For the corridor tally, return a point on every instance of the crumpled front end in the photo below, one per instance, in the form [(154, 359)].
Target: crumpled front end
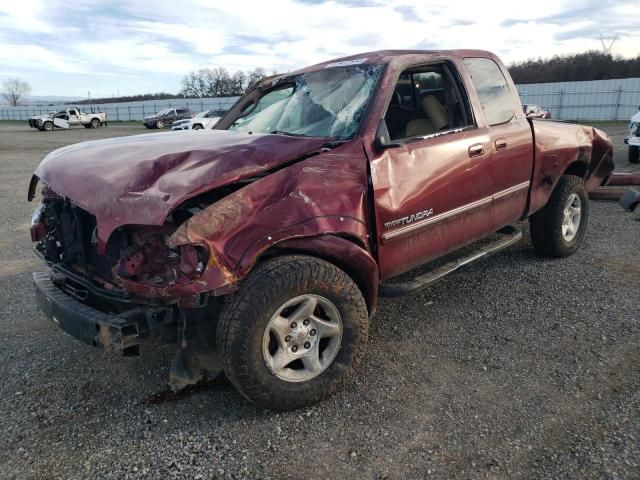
[(206, 243), (137, 266)]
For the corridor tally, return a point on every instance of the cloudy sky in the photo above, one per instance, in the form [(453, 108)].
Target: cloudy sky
[(69, 47)]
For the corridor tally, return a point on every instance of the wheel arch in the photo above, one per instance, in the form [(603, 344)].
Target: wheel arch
[(579, 168), (344, 251)]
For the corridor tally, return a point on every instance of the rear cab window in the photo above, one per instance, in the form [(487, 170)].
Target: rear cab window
[(492, 89)]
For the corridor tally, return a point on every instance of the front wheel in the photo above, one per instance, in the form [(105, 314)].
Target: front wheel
[(294, 333), (197, 126), (634, 154), (558, 228), (159, 124), (48, 126)]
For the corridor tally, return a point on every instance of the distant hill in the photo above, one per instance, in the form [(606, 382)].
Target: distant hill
[(130, 98), (592, 65), (47, 99)]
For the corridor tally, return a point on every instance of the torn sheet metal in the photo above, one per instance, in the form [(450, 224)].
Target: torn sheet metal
[(138, 180), (324, 194)]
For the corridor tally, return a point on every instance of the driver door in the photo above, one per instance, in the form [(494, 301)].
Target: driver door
[(432, 193)]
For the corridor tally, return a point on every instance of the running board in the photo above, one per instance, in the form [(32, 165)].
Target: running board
[(509, 236)]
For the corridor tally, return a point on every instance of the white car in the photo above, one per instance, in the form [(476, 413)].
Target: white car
[(633, 140), (202, 120)]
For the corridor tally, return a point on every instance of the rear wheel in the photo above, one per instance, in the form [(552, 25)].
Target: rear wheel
[(95, 123), (294, 333), (48, 126), (634, 154), (197, 126), (558, 228)]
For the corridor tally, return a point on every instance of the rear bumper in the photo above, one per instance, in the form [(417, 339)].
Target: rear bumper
[(116, 333)]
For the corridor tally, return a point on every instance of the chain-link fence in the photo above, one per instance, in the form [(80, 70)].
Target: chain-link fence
[(126, 111)]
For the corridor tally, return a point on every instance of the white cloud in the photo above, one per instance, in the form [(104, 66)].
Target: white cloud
[(133, 46)]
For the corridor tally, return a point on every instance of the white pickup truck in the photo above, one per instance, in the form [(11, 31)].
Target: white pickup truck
[(633, 140), (66, 118)]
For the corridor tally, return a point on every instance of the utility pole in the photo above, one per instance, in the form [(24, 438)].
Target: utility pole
[(607, 43)]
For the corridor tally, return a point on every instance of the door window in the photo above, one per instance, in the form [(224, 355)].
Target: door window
[(493, 91), (426, 100)]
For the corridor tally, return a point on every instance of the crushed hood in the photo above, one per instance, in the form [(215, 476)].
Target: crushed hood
[(138, 180)]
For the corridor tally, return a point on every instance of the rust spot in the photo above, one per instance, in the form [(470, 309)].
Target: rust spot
[(105, 337)]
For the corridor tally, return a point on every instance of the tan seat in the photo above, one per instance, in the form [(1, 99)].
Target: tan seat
[(436, 118)]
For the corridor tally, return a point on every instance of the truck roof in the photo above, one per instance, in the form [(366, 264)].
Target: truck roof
[(399, 56)]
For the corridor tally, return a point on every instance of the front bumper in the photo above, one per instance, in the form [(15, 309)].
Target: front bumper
[(115, 333)]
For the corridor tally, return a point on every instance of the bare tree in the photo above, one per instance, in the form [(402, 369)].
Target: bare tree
[(218, 82), (194, 84), (255, 76), (13, 89), (238, 83)]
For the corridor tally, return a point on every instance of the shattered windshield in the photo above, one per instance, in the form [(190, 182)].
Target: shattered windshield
[(323, 103)]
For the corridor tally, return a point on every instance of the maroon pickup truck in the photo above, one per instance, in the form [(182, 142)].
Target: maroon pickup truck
[(261, 247)]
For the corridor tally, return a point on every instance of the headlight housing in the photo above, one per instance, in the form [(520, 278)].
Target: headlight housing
[(150, 261)]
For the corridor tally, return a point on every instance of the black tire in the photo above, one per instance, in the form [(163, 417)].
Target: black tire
[(197, 126), (634, 154), (245, 316), (159, 124), (547, 223), (47, 126), (95, 123)]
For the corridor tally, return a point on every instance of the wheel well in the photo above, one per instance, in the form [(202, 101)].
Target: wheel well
[(579, 169), (368, 287)]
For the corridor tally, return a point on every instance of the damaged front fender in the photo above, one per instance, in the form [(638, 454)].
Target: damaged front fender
[(324, 194)]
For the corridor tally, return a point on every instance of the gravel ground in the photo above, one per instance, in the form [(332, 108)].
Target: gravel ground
[(519, 367)]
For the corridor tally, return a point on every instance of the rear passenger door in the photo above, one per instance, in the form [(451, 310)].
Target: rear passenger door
[(182, 114), (170, 117), (511, 144)]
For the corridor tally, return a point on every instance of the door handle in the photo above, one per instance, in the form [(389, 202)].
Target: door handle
[(476, 150), (501, 144)]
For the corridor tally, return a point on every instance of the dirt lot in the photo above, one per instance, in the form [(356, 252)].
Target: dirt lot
[(519, 367)]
